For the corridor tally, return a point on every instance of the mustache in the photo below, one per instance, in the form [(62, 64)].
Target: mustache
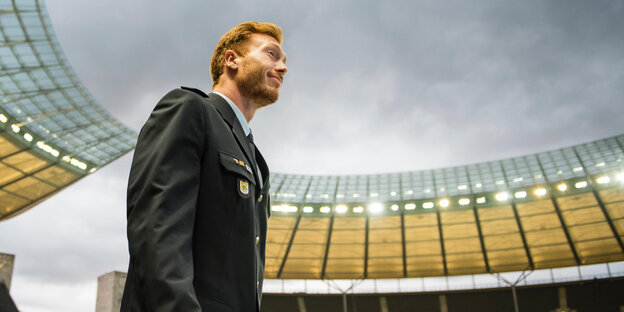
[(278, 75)]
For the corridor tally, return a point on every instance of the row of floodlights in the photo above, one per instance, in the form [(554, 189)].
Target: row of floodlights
[(376, 208), (461, 187), (45, 147)]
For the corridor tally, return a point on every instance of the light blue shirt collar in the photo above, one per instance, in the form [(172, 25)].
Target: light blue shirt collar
[(239, 114)]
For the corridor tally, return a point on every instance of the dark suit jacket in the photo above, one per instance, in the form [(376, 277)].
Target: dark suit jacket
[(197, 217)]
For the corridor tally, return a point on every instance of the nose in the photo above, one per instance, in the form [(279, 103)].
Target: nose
[(281, 68)]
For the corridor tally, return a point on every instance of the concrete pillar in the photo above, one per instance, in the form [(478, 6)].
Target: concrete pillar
[(301, 303), (6, 269), (383, 304), (109, 291), (563, 298), (443, 305)]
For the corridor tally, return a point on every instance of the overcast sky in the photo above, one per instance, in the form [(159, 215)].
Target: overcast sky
[(372, 86)]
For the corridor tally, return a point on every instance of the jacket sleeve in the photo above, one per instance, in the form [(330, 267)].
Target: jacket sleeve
[(162, 197)]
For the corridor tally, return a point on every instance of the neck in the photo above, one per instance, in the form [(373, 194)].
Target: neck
[(245, 105)]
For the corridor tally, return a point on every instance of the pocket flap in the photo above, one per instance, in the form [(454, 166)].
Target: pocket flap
[(237, 165)]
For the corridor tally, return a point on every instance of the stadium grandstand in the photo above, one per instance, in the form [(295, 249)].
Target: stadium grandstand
[(444, 239)]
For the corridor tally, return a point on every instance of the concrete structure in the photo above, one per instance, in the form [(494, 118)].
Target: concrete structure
[(591, 295), (6, 269), (109, 292)]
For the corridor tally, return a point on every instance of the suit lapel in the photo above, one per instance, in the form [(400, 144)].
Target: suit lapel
[(230, 117), (264, 169)]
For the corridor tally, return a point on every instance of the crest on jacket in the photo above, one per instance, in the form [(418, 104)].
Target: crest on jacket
[(243, 187)]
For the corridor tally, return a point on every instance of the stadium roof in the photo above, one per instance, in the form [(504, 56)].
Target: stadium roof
[(559, 208), (52, 131)]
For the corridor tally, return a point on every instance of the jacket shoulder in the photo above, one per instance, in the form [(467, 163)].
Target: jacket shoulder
[(200, 92)]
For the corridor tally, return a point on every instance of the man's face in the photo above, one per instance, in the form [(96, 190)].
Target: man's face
[(262, 70)]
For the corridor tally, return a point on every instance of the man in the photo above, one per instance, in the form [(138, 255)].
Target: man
[(198, 190)]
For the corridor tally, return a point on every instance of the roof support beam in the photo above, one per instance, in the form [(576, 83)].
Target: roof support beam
[(294, 231), (403, 244), (527, 251), (366, 242), (564, 226), (441, 233), (477, 222), (329, 234), (514, 208), (608, 218)]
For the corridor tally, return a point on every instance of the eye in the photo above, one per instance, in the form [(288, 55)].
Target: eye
[(271, 53)]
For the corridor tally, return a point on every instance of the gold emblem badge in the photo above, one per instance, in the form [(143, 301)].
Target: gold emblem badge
[(244, 187)]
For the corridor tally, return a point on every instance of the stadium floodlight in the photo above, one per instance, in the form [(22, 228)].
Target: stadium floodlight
[(308, 209), (374, 194), (3, 118), (577, 169), (464, 201), (375, 207), (394, 207), (444, 203), (600, 164), (410, 206), (284, 208), (15, 128), (540, 191), (325, 209), (53, 152), (620, 176), (462, 187), (358, 209), (521, 194), (409, 192), (28, 137), (481, 200), (393, 193), (580, 184), (500, 182), (93, 170), (502, 196), (428, 205), (478, 185), (562, 187), (603, 180), (341, 209), (518, 179)]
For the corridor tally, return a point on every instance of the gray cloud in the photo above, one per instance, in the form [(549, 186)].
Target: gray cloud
[(373, 86)]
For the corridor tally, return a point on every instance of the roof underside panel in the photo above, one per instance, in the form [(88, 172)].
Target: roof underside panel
[(52, 131)]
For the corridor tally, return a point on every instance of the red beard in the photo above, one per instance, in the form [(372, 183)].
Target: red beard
[(252, 83)]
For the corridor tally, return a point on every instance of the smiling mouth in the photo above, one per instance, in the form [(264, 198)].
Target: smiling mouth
[(277, 78)]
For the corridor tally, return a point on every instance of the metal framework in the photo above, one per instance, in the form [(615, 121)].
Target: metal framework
[(52, 131)]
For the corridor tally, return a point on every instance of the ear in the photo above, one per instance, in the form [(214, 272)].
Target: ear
[(231, 59)]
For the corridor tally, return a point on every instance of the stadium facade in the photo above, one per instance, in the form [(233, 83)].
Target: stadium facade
[(52, 131), (553, 209)]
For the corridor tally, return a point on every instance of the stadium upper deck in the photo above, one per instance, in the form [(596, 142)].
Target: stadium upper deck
[(558, 208), (52, 131)]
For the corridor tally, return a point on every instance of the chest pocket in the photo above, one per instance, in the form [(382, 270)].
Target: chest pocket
[(237, 166)]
